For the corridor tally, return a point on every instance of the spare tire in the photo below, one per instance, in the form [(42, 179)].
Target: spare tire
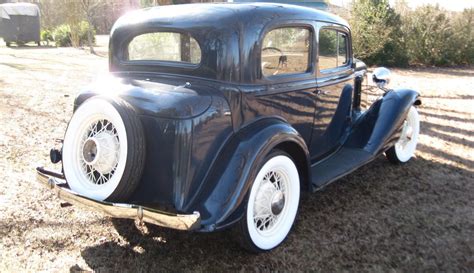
[(104, 149)]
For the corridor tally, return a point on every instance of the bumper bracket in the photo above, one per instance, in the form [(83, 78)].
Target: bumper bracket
[(57, 183)]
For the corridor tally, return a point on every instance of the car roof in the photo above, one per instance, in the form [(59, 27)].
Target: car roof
[(218, 15), (228, 35)]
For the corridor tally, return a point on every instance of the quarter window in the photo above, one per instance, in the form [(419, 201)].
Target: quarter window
[(332, 49), (286, 51), (342, 49), (164, 46)]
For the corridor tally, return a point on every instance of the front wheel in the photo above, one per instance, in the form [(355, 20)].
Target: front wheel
[(272, 204), (405, 147)]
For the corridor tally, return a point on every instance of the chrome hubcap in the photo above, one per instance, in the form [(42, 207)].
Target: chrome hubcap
[(270, 201), (100, 152), (406, 135), (278, 202), (89, 151), (409, 132)]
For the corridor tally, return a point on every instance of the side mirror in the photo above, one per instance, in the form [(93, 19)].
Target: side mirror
[(381, 77)]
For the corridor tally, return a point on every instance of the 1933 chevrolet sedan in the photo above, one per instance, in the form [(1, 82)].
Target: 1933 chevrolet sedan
[(219, 115)]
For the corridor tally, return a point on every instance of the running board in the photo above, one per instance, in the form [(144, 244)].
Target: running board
[(342, 162)]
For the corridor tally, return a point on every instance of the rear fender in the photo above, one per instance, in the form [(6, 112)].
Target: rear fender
[(376, 128), (221, 200)]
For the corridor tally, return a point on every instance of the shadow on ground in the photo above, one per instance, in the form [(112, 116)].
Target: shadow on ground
[(380, 217)]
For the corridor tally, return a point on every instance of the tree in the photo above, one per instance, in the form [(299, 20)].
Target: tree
[(73, 19), (438, 37), (152, 3), (89, 8), (376, 33), (463, 27)]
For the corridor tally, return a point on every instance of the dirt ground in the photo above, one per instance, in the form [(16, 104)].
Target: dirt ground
[(383, 218)]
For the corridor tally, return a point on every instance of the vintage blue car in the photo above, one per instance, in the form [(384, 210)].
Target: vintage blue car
[(219, 115)]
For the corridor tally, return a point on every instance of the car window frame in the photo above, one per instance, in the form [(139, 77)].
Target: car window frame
[(322, 73), (347, 47), (309, 74), (163, 63)]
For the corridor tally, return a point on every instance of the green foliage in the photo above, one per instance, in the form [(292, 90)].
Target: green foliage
[(83, 28), (327, 42), (63, 34), (148, 3), (463, 27), (428, 35), (46, 35), (436, 37), (376, 33)]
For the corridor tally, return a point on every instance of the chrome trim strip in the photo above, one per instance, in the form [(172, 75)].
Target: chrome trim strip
[(120, 210)]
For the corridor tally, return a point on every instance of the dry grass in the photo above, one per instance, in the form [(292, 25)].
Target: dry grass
[(417, 217)]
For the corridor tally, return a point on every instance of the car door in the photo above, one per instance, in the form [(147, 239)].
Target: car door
[(334, 94), (287, 77)]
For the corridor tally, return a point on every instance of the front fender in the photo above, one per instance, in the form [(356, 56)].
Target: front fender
[(376, 128), (221, 200)]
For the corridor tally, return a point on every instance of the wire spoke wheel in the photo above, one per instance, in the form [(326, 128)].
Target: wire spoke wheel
[(404, 149), (100, 155), (272, 204), (270, 200), (103, 151)]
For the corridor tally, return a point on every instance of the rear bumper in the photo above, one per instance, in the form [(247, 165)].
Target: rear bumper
[(57, 184)]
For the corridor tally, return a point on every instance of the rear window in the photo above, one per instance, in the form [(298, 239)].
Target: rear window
[(164, 46)]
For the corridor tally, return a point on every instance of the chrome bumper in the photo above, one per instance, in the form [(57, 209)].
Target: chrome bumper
[(57, 184)]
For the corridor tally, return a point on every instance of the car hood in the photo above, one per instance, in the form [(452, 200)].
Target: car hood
[(154, 97)]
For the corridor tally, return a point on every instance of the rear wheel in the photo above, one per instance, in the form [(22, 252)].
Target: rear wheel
[(104, 149), (405, 147), (272, 204), (8, 44)]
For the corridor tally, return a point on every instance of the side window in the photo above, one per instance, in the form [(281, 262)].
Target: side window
[(286, 51), (327, 49), (342, 52), (164, 46), (332, 49)]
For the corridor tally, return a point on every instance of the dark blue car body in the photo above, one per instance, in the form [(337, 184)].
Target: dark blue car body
[(209, 126)]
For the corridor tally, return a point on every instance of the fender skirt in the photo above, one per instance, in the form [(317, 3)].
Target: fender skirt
[(378, 128), (220, 199)]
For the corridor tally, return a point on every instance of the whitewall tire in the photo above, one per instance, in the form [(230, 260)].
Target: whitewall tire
[(104, 149), (404, 149), (272, 204)]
